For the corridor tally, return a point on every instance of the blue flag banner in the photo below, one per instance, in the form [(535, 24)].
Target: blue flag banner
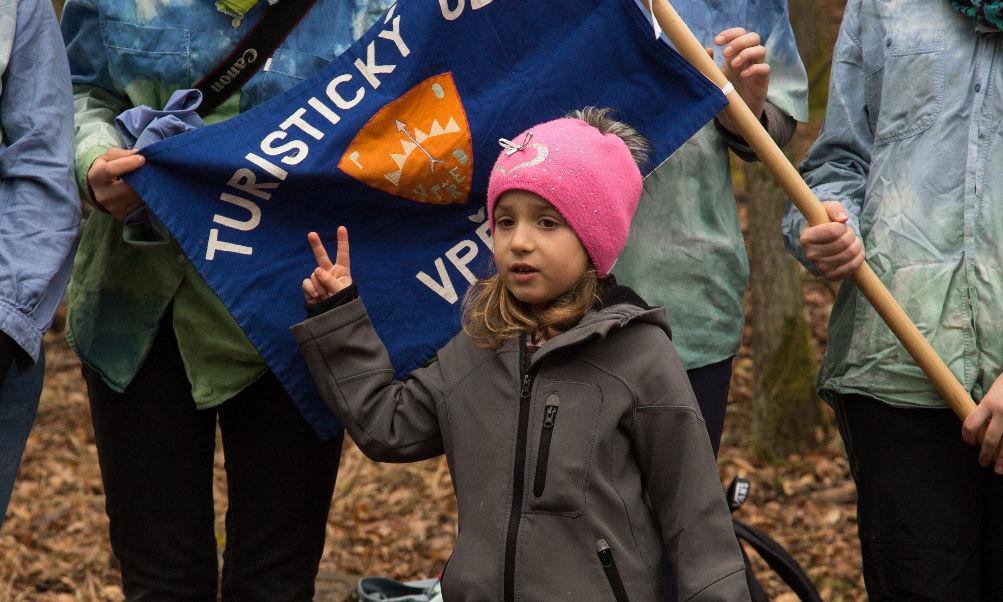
[(395, 140)]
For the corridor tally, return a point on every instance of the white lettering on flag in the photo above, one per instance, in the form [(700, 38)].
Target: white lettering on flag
[(292, 150), (245, 181), (460, 256), (461, 261), (444, 288), (297, 120), (452, 14), (245, 226), (336, 97), (370, 68), (218, 245)]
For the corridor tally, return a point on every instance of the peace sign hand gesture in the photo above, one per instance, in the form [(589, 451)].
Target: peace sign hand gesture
[(329, 278)]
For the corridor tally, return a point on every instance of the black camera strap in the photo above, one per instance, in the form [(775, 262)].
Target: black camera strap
[(251, 52)]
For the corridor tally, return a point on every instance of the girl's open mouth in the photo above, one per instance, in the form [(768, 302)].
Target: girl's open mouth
[(522, 272)]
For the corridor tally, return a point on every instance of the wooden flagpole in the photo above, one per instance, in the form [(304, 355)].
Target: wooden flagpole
[(867, 281)]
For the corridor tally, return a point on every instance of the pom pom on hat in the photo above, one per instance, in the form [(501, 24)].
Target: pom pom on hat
[(589, 177)]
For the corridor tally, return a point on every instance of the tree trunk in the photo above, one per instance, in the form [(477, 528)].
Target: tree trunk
[(786, 411), (815, 27)]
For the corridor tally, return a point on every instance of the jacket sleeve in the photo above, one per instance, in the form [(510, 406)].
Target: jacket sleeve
[(778, 125), (672, 448), (787, 99), (39, 207), (96, 101), (390, 421), (837, 165)]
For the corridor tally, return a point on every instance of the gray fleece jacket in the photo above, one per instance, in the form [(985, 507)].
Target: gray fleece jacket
[(574, 474)]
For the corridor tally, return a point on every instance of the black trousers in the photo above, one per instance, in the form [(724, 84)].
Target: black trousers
[(710, 385), (930, 518), (156, 455)]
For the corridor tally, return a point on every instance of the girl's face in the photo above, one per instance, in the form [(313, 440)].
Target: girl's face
[(537, 254)]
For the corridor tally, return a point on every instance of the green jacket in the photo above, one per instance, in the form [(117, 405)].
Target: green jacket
[(686, 250)]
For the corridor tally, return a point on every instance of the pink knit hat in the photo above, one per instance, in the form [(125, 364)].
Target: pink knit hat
[(589, 177)]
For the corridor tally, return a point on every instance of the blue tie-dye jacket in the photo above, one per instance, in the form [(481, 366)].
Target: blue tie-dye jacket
[(39, 207), (912, 148), (126, 53)]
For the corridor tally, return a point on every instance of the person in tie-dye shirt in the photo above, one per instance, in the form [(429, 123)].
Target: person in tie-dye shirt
[(163, 360), (908, 163), (686, 250)]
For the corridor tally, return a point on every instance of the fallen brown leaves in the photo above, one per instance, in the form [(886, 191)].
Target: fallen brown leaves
[(395, 520), (808, 505), (54, 542)]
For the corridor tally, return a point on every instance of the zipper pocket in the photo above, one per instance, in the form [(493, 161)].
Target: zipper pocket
[(543, 452), (605, 554)]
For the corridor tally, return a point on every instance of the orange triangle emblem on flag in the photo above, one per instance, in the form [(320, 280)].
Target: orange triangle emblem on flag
[(417, 147)]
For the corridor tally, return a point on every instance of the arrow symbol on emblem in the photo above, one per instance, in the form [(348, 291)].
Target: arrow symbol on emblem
[(402, 128)]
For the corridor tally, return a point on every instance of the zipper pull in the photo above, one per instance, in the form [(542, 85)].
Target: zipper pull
[(549, 417), (524, 391), (550, 410), (605, 553)]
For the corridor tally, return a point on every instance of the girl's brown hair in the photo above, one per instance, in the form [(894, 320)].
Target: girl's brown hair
[(492, 314)]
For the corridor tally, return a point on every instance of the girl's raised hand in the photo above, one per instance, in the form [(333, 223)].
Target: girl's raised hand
[(328, 279)]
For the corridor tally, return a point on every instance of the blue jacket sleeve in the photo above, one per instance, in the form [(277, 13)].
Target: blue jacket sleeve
[(39, 207), (836, 168)]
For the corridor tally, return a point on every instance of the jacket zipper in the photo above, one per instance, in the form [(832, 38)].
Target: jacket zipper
[(518, 474), (543, 452), (605, 554)]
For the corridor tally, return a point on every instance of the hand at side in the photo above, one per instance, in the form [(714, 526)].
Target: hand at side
[(987, 417)]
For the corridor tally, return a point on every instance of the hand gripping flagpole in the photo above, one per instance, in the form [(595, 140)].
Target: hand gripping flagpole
[(867, 281)]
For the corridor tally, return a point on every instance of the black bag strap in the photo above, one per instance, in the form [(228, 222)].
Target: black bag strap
[(778, 559), (755, 587), (250, 53)]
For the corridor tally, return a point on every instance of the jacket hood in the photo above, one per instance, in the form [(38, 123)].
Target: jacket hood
[(617, 307)]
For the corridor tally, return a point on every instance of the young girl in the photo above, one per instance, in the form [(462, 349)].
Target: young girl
[(577, 451)]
